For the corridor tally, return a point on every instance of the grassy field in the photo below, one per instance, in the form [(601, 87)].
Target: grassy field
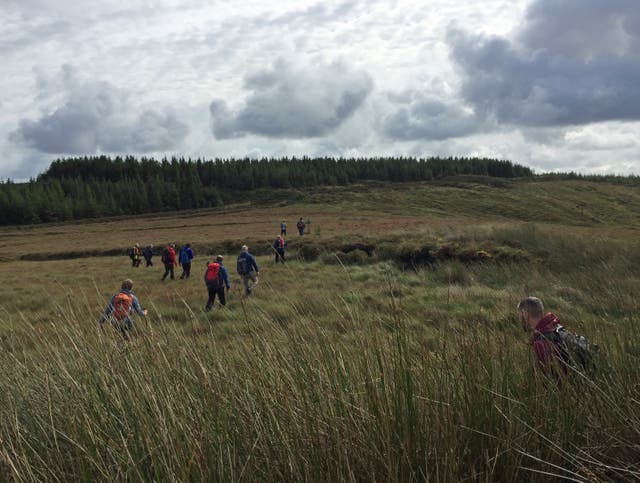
[(408, 364)]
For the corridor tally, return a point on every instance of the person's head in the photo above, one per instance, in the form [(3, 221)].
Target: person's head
[(219, 258), (188, 245), (279, 237), (530, 310), (172, 245), (151, 245), (244, 248), (137, 245), (300, 218), (127, 284)]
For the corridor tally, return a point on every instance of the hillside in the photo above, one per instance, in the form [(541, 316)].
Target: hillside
[(387, 348), (371, 210)]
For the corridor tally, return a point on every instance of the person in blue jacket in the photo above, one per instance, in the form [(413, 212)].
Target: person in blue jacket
[(147, 253), (248, 270), (184, 259), (216, 279), (120, 308)]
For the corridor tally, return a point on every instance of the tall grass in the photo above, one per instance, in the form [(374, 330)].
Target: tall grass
[(330, 373)]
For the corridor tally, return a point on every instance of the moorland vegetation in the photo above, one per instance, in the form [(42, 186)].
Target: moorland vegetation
[(386, 348)]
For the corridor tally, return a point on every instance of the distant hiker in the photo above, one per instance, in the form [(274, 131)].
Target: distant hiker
[(147, 253), (169, 260), (247, 269), (283, 228), (134, 254), (186, 255), (279, 246), (301, 226), (216, 279), (556, 349), (120, 307)]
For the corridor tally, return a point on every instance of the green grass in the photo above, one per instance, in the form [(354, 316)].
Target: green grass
[(407, 365)]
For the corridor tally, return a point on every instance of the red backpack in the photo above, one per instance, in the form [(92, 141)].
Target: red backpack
[(212, 276), (122, 305)]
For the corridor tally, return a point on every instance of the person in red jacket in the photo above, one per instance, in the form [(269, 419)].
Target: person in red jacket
[(169, 260), (549, 356)]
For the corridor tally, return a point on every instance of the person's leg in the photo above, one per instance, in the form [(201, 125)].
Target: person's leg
[(171, 270), (251, 277), (166, 271), (187, 270), (245, 282), (221, 296), (212, 297)]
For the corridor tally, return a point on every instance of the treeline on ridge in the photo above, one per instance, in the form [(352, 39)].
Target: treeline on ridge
[(87, 187)]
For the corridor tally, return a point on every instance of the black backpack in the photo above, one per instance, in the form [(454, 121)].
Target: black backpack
[(165, 255), (575, 350), (243, 264)]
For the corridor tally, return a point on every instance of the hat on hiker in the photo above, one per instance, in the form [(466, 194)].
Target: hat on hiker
[(219, 258)]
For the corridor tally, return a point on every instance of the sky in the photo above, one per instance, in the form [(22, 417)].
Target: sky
[(554, 85)]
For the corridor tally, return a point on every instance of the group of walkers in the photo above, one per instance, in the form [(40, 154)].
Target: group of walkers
[(216, 276), (169, 259), (135, 255), (555, 349), (300, 225)]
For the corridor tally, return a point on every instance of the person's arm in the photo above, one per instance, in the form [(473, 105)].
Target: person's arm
[(225, 277), (136, 306), (255, 264)]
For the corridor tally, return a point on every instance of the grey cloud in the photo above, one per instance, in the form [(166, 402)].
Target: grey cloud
[(583, 29), (294, 101), (97, 116), (554, 73), (429, 118)]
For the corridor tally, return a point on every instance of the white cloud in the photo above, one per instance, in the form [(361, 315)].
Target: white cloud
[(294, 77)]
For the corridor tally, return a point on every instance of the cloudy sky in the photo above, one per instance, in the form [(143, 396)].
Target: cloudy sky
[(551, 84)]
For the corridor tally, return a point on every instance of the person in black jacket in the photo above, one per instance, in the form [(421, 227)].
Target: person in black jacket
[(279, 246)]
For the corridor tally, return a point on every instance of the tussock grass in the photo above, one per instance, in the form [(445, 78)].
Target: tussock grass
[(384, 370)]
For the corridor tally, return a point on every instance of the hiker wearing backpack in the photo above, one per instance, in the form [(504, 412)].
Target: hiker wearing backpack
[(169, 260), (248, 270), (147, 253), (134, 255), (216, 279), (186, 255), (279, 246), (301, 226), (283, 228), (119, 309), (556, 349)]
